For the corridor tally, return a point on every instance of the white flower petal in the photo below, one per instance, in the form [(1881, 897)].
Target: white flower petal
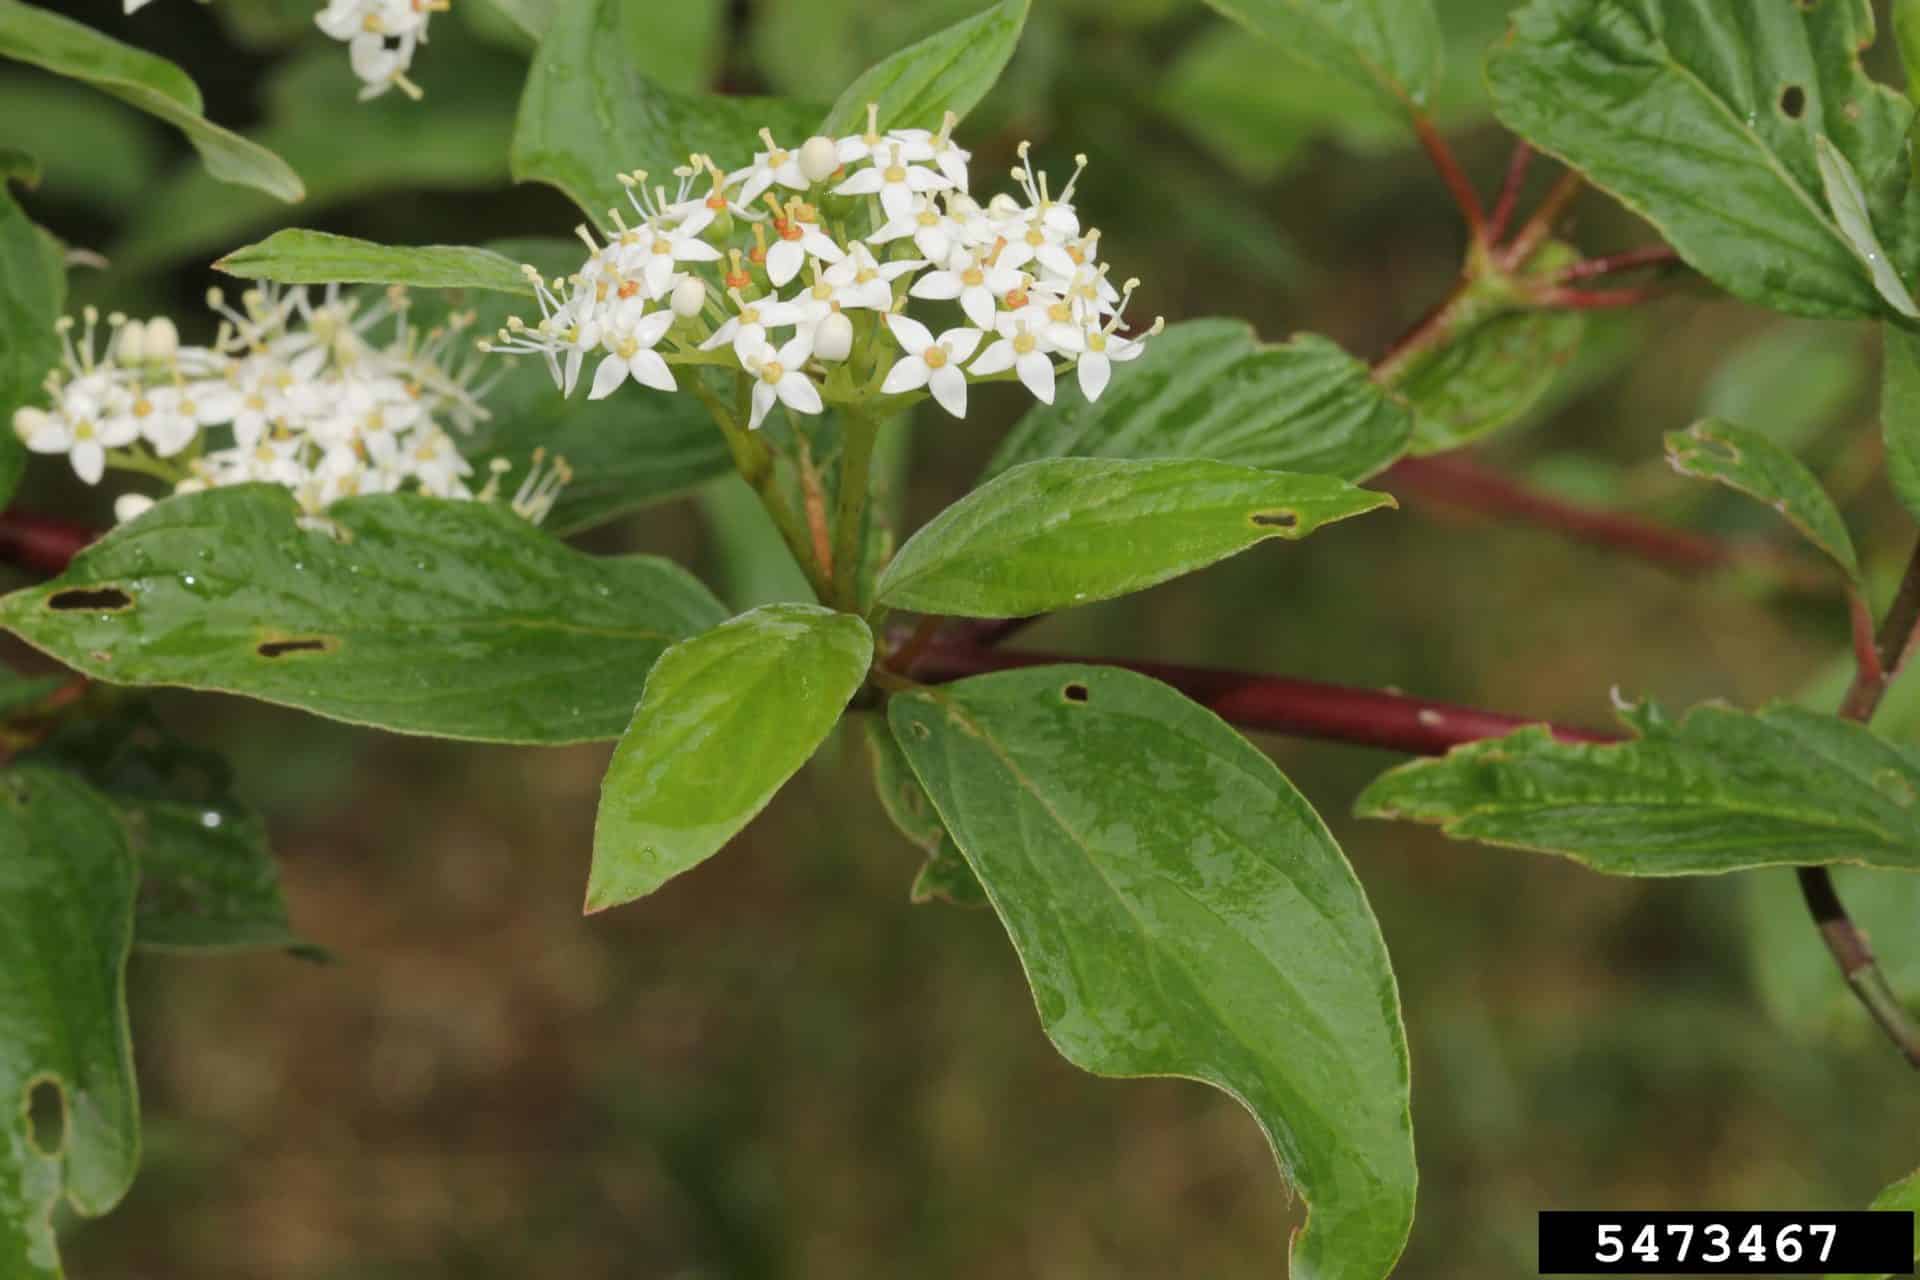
[(863, 183), (649, 370), (89, 461), (763, 398), (977, 303), (1094, 370), (997, 358), (784, 261), (797, 392), (909, 374), (608, 377), (937, 286), (1036, 371), (912, 336), (961, 343), (949, 388)]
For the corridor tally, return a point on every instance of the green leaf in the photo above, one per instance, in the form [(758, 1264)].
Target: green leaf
[(1211, 389), (33, 289), (296, 256), (1900, 413), (1722, 790), (156, 86), (66, 922), (590, 112), (1702, 115), (1756, 466), (1070, 531), (946, 877), (626, 451), (1789, 381), (208, 880), (453, 139), (1906, 34), (726, 719), (1180, 910), (94, 150), (1793, 971), (1496, 367), (902, 797), (1847, 201), (1902, 1195), (950, 70), (456, 619), (1392, 47)]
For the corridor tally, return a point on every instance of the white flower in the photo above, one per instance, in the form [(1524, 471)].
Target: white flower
[(932, 363), (937, 147), (779, 375), (934, 233), (894, 179), (863, 282), (131, 506), (819, 158), (833, 338), (1023, 348), (630, 340), (800, 237), (435, 463), (1104, 350), (747, 328), (975, 279), (775, 164), (84, 440), (655, 257)]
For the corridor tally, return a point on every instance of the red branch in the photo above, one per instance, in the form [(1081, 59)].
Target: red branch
[(1509, 193), (1656, 255), (1279, 704), (1452, 174), (1459, 482), (41, 543)]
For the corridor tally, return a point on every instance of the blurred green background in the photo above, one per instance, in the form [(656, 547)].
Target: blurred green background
[(778, 1068)]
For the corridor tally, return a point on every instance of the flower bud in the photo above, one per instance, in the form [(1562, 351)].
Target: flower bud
[(130, 505), (689, 296), (27, 420), (131, 347), (163, 340), (818, 158), (833, 338)]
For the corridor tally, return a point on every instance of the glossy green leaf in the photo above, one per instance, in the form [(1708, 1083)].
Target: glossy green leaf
[(1847, 201), (208, 880), (1181, 910), (1756, 466), (726, 719), (156, 86), (455, 619), (296, 256), (950, 70), (1070, 531), (1497, 366), (1900, 413), (590, 113), (33, 289), (455, 138), (1211, 389), (66, 922), (1392, 47), (1721, 790), (626, 451), (1701, 115)]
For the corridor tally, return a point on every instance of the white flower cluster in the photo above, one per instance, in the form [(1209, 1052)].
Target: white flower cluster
[(380, 36), (292, 391), (816, 251)]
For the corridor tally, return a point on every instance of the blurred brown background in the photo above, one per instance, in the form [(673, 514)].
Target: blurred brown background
[(776, 1067)]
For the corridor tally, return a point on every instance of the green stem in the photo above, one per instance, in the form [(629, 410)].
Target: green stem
[(858, 433), (755, 464), (145, 464)]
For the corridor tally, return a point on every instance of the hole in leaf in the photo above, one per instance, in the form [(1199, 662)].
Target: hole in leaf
[(279, 648), (88, 599), (1793, 102), (1714, 447), (920, 730), (46, 1117), (1076, 692), (1276, 519)]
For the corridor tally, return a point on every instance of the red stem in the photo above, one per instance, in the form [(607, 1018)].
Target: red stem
[(1279, 704), (1509, 193), (1459, 482), (1561, 299), (1654, 255), (41, 543), (1452, 174)]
